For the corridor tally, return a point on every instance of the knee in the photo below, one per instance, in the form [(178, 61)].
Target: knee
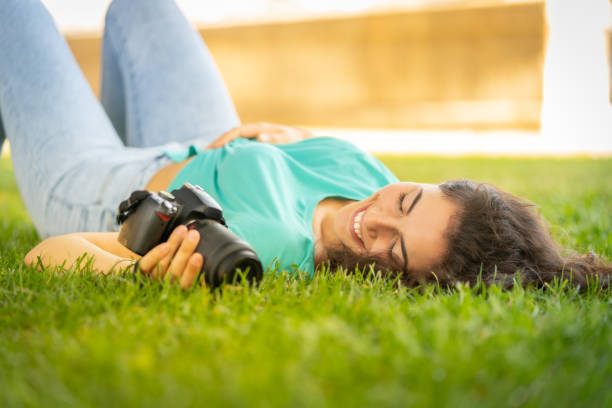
[(141, 22), (23, 15), (137, 9), (115, 10)]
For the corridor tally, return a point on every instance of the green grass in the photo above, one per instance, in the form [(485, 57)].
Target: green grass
[(338, 340)]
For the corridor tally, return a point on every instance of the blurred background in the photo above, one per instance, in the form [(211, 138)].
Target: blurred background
[(419, 76)]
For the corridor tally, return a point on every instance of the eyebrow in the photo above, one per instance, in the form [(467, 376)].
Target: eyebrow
[(416, 200), (405, 255)]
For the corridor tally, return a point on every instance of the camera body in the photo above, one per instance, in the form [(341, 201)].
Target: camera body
[(149, 218)]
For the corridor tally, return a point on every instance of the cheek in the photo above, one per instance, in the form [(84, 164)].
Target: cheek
[(426, 243), (343, 218)]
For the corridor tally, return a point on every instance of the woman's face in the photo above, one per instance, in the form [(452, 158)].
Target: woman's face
[(402, 223)]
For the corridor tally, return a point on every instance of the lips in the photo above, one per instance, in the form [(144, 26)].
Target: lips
[(356, 219)]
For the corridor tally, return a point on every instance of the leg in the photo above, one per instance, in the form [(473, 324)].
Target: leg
[(159, 81), (64, 150), (2, 134)]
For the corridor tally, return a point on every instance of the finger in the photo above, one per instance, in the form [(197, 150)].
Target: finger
[(224, 138), (179, 262), (256, 129), (148, 262), (174, 241), (249, 131), (274, 136), (264, 137), (192, 270)]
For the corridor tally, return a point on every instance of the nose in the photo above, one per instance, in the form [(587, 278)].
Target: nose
[(380, 224)]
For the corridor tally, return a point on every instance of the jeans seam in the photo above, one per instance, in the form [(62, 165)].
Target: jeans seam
[(118, 30)]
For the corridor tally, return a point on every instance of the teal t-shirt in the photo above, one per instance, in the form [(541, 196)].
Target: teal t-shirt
[(269, 192)]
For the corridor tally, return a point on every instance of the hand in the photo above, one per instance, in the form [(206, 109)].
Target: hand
[(175, 259), (263, 132)]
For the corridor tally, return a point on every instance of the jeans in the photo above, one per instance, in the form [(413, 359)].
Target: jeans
[(74, 157)]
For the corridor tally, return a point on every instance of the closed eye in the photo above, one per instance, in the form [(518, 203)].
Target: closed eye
[(400, 205), (402, 197), (400, 201)]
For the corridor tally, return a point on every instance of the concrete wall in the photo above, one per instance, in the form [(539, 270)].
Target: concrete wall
[(473, 67)]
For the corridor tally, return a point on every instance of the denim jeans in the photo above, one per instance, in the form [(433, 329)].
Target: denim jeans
[(74, 157)]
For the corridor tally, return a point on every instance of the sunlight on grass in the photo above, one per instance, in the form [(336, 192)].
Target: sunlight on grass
[(341, 339)]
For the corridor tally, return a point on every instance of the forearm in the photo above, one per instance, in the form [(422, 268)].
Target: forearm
[(68, 249)]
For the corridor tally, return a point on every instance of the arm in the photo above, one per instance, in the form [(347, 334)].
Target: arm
[(108, 254), (175, 258), (264, 132)]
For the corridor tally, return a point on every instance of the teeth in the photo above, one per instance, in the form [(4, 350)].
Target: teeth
[(357, 224)]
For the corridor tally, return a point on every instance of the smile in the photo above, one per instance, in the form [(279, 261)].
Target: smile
[(356, 227)]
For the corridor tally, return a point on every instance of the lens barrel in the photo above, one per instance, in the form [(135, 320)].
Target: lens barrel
[(224, 253)]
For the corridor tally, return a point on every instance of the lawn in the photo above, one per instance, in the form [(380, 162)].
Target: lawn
[(337, 340)]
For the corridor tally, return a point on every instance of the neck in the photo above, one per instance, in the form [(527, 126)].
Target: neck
[(323, 227)]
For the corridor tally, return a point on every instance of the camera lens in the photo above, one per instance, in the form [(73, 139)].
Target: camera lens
[(224, 253), (240, 260)]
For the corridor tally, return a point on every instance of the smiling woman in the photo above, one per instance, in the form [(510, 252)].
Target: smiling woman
[(390, 227), (301, 202), (458, 231)]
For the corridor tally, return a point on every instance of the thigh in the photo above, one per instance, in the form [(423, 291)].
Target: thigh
[(87, 197), (159, 81)]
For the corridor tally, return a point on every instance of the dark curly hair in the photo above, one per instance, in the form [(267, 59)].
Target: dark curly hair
[(493, 236), (496, 234)]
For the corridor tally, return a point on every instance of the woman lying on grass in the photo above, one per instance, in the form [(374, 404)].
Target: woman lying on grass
[(302, 201)]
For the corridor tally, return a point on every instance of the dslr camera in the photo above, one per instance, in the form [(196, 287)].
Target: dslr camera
[(149, 218)]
